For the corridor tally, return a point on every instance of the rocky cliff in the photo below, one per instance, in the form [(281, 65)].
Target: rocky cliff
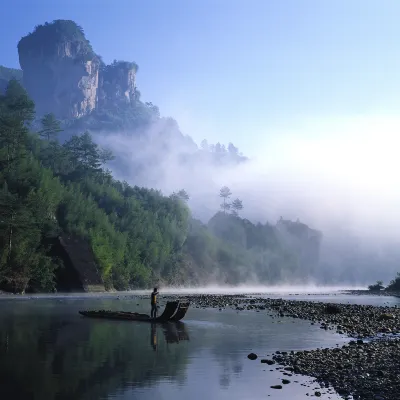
[(117, 84), (63, 74)]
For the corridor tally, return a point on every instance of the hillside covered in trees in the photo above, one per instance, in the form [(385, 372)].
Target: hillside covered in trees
[(57, 184), (138, 236)]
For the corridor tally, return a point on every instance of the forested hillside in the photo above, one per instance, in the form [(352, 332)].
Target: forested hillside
[(138, 236)]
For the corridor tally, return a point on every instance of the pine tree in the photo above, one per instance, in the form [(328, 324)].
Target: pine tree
[(181, 195), (237, 206), (50, 127), (225, 193), (16, 113)]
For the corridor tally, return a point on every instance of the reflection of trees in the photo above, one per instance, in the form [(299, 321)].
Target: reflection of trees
[(51, 357), (221, 342)]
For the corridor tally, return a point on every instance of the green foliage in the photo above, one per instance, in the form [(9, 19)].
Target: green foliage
[(48, 37), (225, 193), (237, 206), (247, 251), (394, 285), (181, 195), (126, 65), (118, 117), (50, 127), (137, 235), (377, 287), (10, 73)]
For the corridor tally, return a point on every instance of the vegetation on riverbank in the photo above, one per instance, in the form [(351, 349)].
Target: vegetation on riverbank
[(137, 235), (393, 287)]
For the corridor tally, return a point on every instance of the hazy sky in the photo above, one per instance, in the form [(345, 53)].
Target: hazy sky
[(240, 70)]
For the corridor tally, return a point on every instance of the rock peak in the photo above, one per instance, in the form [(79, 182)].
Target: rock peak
[(63, 74)]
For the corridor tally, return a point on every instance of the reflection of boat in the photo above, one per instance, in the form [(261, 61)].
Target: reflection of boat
[(175, 332), (174, 311)]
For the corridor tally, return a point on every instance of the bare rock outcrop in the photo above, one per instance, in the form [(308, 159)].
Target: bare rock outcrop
[(117, 84), (63, 74), (60, 69)]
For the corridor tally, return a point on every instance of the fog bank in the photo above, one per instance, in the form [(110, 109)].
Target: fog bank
[(338, 175)]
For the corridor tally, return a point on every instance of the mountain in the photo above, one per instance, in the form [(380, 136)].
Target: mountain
[(64, 76), (67, 222)]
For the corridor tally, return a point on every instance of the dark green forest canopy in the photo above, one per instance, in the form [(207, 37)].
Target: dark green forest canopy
[(138, 236)]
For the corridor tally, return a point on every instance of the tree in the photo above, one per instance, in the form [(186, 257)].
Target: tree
[(106, 155), (50, 127), (394, 285), (183, 195), (237, 206), (85, 154), (16, 114), (225, 193), (377, 287), (232, 149), (204, 145), (8, 211)]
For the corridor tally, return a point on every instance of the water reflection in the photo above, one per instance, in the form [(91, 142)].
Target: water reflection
[(54, 357), (174, 332), (48, 351), (153, 336)]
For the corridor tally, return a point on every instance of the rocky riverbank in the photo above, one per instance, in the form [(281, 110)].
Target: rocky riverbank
[(372, 293), (354, 320), (367, 371)]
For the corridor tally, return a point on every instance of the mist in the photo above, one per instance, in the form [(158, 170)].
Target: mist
[(337, 175), (198, 290)]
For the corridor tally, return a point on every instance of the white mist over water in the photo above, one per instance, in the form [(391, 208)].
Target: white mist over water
[(256, 289), (195, 290)]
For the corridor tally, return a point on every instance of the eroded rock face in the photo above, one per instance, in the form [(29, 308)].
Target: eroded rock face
[(62, 82), (117, 84), (64, 76)]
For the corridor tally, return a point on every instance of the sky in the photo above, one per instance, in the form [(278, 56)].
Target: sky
[(308, 89), (251, 72)]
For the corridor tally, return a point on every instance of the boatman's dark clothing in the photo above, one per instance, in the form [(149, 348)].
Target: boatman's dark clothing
[(154, 304)]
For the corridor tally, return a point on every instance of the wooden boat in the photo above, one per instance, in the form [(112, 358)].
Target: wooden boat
[(174, 311), (180, 312)]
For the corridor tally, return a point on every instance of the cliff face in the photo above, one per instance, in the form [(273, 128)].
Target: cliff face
[(64, 76), (61, 84), (117, 84)]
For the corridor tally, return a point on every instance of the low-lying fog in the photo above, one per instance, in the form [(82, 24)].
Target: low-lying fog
[(338, 175)]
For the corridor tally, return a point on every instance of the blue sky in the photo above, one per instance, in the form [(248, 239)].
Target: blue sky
[(239, 70)]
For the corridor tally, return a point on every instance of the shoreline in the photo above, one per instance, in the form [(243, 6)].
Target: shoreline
[(366, 368), (216, 291)]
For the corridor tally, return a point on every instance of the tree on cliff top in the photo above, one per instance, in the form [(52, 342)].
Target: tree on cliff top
[(225, 193), (47, 37), (237, 206)]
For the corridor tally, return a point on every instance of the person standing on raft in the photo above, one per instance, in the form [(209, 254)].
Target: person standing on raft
[(154, 294)]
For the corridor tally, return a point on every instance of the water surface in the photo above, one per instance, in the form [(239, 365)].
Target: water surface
[(48, 351)]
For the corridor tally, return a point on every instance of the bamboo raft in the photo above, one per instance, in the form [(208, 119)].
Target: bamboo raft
[(174, 311)]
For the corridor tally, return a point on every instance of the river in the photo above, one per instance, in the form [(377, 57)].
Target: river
[(48, 351)]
